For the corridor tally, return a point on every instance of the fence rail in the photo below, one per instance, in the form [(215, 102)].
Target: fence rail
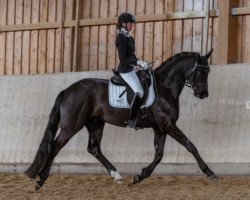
[(241, 11), (109, 21)]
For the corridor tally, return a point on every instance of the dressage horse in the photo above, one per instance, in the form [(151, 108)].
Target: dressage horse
[(86, 103)]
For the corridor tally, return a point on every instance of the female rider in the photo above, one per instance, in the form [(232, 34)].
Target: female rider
[(128, 63)]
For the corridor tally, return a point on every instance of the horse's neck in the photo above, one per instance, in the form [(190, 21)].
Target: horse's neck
[(177, 70), (169, 88), (172, 80)]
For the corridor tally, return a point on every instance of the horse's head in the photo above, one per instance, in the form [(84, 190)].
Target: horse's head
[(198, 76)]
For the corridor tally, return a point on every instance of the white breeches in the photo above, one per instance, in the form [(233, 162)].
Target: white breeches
[(133, 81)]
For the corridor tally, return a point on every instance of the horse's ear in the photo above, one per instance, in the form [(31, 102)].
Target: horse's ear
[(209, 53)]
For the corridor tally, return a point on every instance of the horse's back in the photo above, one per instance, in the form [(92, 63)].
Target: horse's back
[(85, 88), (89, 82)]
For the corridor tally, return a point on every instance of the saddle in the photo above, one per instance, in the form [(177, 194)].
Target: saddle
[(145, 80)]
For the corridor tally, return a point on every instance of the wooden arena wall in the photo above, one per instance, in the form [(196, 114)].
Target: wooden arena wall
[(51, 36)]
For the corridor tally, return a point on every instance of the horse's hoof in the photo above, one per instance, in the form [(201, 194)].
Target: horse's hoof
[(213, 178), (120, 181), (135, 179), (117, 176), (38, 186)]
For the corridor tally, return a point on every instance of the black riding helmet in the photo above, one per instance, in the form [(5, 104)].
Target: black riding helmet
[(125, 18)]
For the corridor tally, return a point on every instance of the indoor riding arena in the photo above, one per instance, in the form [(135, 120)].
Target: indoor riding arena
[(47, 45)]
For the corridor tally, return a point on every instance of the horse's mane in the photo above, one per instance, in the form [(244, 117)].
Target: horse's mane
[(172, 59)]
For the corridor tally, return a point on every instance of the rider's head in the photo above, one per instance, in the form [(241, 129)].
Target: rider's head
[(126, 20)]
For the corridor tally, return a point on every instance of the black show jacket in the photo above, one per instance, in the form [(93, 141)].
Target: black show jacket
[(125, 45)]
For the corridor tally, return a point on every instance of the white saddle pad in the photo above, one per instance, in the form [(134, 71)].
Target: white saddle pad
[(115, 91)]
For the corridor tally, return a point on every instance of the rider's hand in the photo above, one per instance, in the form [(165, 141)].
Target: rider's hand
[(137, 68), (143, 64)]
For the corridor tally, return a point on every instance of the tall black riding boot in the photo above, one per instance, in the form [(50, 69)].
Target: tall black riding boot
[(135, 105)]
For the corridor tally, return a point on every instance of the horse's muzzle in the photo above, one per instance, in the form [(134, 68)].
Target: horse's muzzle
[(201, 95)]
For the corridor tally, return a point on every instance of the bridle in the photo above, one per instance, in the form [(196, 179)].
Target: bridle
[(197, 67), (188, 82)]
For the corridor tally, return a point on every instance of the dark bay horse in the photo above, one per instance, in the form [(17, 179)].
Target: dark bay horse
[(85, 103)]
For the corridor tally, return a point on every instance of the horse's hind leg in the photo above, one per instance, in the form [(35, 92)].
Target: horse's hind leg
[(62, 139), (95, 128), (180, 137), (159, 142)]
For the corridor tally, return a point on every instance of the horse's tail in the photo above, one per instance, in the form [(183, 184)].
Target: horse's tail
[(46, 145)]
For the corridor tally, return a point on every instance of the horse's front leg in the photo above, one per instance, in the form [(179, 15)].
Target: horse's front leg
[(159, 142), (180, 137)]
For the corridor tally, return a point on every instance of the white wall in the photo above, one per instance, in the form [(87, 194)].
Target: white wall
[(218, 126)]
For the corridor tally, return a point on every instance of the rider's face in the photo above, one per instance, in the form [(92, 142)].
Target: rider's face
[(130, 26)]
